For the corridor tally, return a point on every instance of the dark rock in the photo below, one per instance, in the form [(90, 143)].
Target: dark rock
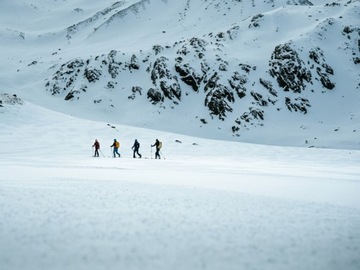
[(157, 49), (134, 63), (255, 20), (113, 66), (183, 50), (33, 63), (74, 64), (92, 74), (198, 44), (348, 30), (323, 70), (324, 79), (189, 76), (268, 85), (288, 69), (155, 96), (7, 99), (245, 67), (135, 90), (235, 129), (223, 66), (160, 70), (259, 98), (171, 91), (219, 36), (300, 104), (212, 82), (233, 32), (333, 4), (217, 101), (110, 85), (328, 69), (70, 95), (237, 82), (248, 117)]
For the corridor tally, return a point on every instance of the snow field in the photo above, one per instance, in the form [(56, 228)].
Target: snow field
[(77, 224), (212, 205)]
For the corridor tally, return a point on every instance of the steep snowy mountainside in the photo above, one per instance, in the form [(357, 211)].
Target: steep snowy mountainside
[(79, 20), (279, 72)]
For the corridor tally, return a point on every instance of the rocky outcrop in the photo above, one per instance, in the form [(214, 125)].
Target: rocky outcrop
[(114, 65), (8, 99), (238, 83), (136, 90), (288, 69), (300, 104), (202, 69), (134, 63), (159, 71), (352, 34), (92, 74), (155, 96), (255, 20), (269, 86), (65, 77), (217, 100), (293, 74), (164, 81), (188, 75), (253, 115), (223, 90), (323, 70)]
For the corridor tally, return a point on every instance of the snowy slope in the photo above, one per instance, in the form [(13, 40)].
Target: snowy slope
[(207, 205), (104, 57)]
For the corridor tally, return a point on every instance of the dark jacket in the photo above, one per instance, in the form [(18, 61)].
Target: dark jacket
[(157, 144), (96, 145), (136, 145)]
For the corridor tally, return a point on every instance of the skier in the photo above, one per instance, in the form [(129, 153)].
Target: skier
[(97, 147), (136, 147), (116, 146), (158, 145)]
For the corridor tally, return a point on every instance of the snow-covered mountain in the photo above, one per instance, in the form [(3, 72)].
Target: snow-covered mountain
[(277, 72)]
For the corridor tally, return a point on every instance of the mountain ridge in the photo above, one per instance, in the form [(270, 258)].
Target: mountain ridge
[(233, 82)]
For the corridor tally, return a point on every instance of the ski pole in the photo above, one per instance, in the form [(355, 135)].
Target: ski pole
[(162, 154), (151, 152), (102, 153)]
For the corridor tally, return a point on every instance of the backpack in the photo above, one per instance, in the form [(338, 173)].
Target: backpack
[(160, 145), (117, 144)]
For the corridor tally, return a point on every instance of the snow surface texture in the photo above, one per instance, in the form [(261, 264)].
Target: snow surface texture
[(207, 204)]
